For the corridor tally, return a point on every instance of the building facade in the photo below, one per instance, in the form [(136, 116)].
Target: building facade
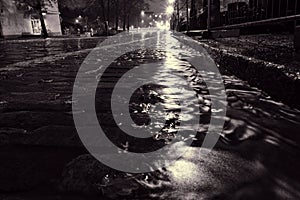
[(16, 22)]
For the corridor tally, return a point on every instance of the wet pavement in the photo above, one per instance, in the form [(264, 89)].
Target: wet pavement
[(274, 48), (13, 51), (257, 156), (267, 61)]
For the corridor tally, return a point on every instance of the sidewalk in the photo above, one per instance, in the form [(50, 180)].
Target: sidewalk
[(40, 39), (266, 61)]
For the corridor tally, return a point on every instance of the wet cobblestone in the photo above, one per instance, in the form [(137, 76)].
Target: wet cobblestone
[(39, 140)]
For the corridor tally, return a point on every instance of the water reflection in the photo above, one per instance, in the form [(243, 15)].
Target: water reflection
[(256, 158), (256, 127), (32, 49)]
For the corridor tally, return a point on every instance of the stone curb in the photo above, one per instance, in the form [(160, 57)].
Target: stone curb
[(279, 81)]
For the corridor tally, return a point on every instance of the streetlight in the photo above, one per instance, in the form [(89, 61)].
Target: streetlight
[(171, 1), (170, 10), (143, 13)]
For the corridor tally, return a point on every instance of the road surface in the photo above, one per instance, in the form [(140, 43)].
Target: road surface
[(257, 156)]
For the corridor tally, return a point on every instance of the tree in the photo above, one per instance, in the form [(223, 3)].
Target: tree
[(96, 9), (116, 4), (132, 7), (193, 14), (107, 10), (36, 6)]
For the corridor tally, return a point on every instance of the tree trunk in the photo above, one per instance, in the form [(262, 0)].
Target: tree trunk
[(193, 15), (128, 22), (117, 22), (117, 14), (178, 15), (187, 15), (108, 11), (103, 10), (43, 25), (124, 22)]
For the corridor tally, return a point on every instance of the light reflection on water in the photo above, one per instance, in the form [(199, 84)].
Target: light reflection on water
[(259, 146), (253, 118), (34, 49)]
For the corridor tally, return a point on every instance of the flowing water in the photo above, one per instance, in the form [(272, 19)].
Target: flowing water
[(24, 50), (256, 157)]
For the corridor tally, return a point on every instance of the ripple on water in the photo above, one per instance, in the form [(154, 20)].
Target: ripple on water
[(255, 123)]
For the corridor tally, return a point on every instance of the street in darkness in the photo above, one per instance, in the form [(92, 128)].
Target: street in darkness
[(174, 102)]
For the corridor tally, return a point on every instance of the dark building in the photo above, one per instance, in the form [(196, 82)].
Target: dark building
[(215, 12), (203, 14), (237, 12), (15, 21), (254, 10), (277, 8)]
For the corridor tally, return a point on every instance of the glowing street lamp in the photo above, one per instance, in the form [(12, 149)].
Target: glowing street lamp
[(143, 13), (171, 1), (170, 10)]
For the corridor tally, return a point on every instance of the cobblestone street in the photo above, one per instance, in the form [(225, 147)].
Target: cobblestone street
[(41, 153)]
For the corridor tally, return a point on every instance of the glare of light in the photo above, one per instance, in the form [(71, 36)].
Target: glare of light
[(184, 171), (80, 17), (143, 13), (171, 1), (44, 14), (76, 21), (143, 21), (163, 25), (156, 16), (160, 16), (170, 10)]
